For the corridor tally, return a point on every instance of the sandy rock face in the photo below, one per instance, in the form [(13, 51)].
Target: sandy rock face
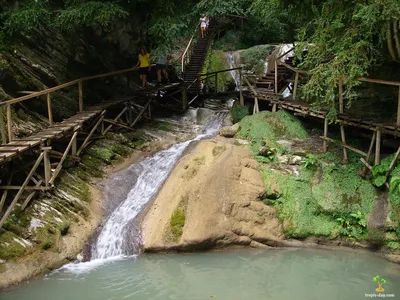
[(218, 189)]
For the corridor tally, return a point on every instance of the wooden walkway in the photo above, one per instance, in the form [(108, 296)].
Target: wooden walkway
[(87, 123)]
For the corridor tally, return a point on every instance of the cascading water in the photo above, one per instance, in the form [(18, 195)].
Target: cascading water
[(114, 240), (235, 75)]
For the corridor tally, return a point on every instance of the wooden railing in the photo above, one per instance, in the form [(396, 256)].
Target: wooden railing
[(187, 54), (340, 87), (47, 92), (205, 76)]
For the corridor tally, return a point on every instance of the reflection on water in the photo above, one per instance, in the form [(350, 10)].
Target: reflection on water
[(272, 274)]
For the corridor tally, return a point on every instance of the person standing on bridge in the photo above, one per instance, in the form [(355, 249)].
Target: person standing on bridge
[(144, 66), (203, 25), (161, 67)]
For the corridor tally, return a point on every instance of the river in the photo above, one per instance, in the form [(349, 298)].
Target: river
[(244, 274)]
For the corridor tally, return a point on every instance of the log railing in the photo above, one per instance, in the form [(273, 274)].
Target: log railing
[(205, 76), (340, 87), (47, 92)]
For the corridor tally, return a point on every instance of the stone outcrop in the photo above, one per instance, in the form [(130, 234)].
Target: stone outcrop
[(229, 131), (218, 188)]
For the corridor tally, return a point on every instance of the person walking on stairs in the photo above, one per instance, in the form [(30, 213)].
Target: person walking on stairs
[(203, 26), (144, 66)]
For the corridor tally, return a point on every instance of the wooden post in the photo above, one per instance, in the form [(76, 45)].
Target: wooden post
[(86, 141), (326, 124), (369, 154), (274, 107), (184, 97), (2, 128), (256, 109), (80, 96), (216, 83), (378, 147), (240, 88), (149, 110), (342, 133), (59, 166), (296, 82), (9, 123), (49, 111), (341, 105), (47, 167), (21, 189), (74, 147), (276, 77), (398, 110)]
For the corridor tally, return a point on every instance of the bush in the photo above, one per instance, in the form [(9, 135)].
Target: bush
[(239, 112), (255, 57)]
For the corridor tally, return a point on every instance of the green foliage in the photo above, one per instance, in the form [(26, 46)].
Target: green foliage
[(353, 225), (265, 128), (343, 39), (89, 14), (25, 21), (254, 58), (239, 112), (394, 245), (219, 8), (322, 199), (311, 162), (216, 61)]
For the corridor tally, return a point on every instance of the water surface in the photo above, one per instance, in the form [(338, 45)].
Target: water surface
[(247, 274)]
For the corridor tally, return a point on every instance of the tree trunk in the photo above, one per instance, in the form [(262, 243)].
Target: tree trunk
[(396, 37)]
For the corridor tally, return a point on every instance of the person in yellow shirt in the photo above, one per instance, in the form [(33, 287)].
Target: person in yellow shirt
[(144, 66)]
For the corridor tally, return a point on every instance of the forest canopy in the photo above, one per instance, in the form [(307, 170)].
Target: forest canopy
[(343, 37)]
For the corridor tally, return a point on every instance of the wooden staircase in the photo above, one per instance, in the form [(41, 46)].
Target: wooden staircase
[(267, 82), (197, 59)]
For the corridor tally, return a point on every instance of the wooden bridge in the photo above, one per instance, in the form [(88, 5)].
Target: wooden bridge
[(269, 89), (46, 163)]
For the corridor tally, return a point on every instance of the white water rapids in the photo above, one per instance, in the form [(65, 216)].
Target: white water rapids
[(152, 172), (234, 73)]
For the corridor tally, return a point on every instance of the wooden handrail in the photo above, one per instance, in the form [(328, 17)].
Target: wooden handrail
[(187, 50), (62, 86), (222, 71), (291, 49)]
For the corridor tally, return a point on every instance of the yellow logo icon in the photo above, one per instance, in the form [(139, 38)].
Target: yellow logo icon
[(380, 281)]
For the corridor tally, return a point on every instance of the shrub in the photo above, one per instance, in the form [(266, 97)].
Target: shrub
[(239, 112)]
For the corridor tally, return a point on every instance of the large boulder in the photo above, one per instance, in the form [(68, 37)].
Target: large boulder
[(229, 131)]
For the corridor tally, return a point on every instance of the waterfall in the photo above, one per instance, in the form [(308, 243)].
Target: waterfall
[(116, 237), (234, 73)]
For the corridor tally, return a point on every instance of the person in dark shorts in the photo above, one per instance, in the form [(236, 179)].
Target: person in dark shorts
[(144, 65), (161, 67)]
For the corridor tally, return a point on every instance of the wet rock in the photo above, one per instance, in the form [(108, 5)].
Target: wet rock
[(229, 131), (266, 151), (290, 159)]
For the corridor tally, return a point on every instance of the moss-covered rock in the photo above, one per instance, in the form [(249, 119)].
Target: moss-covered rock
[(216, 61), (267, 127)]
